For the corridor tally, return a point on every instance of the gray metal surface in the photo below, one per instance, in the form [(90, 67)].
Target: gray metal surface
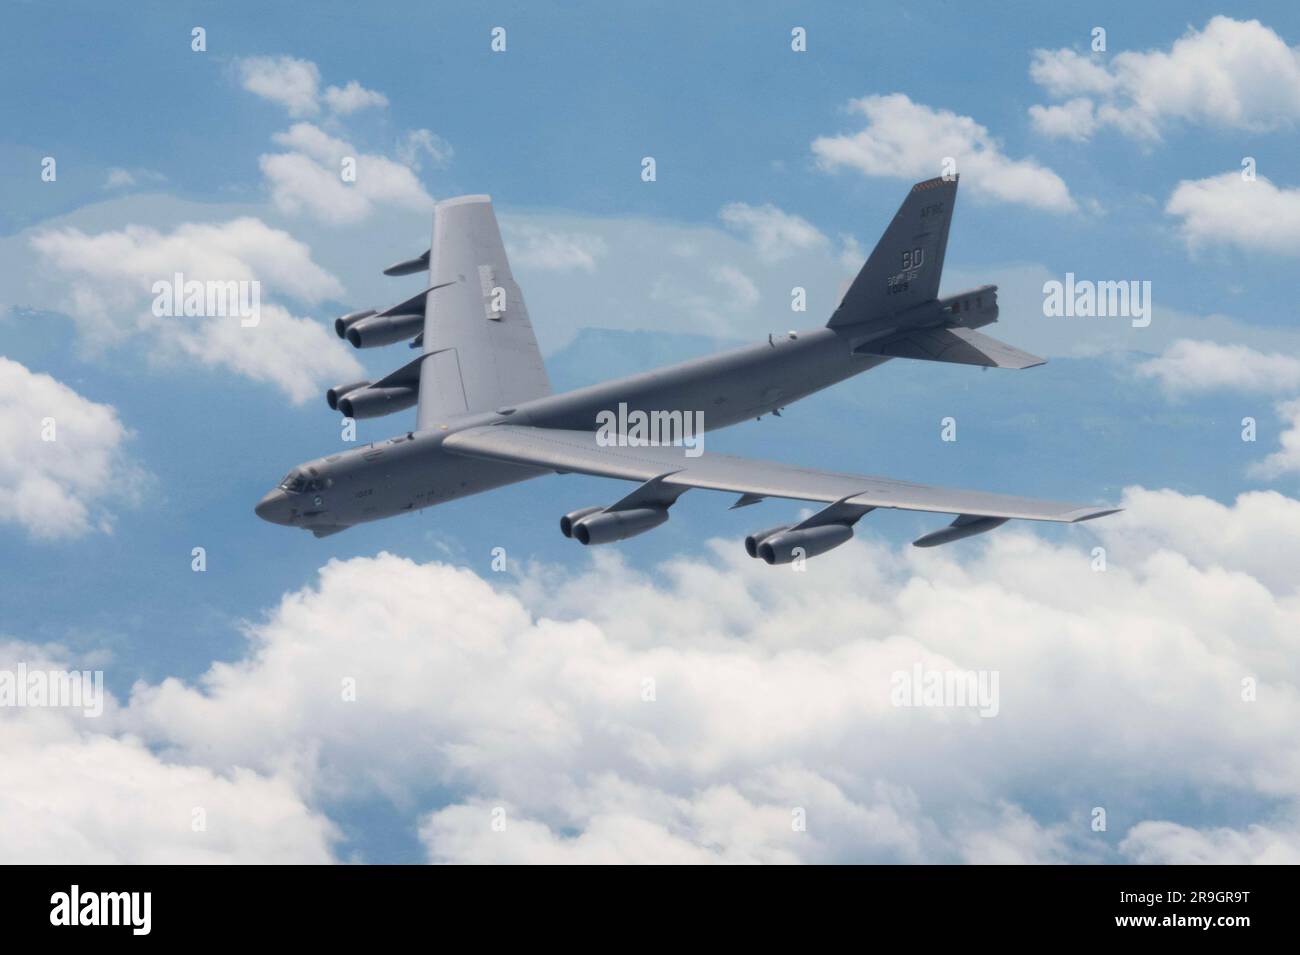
[(479, 314), (579, 452)]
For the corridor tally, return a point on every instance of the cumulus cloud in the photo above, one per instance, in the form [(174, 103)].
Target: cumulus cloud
[(63, 455), (307, 178), (106, 283), (295, 85), (1286, 459), (285, 80), (776, 235), (79, 790), (720, 711), (348, 99), (1188, 367), (1233, 74), (1251, 215), (1167, 843), (911, 141), (1073, 120)]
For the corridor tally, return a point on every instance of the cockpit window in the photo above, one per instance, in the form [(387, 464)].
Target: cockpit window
[(295, 482)]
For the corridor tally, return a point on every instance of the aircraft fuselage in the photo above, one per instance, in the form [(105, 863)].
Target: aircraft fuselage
[(411, 471)]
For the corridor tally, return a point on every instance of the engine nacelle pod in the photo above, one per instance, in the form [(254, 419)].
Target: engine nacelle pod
[(756, 538), (376, 402), (384, 330), (338, 391), (341, 325), (810, 541), (568, 520), (609, 526)]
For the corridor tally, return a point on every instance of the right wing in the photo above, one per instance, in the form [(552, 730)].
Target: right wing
[(479, 347), (675, 471)]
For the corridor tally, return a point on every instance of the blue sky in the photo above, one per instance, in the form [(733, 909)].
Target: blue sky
[(619, 275)]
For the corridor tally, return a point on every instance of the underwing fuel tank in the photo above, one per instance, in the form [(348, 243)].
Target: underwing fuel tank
[(808, 542), (605, 527)]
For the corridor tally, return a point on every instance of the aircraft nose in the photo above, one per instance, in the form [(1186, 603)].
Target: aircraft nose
[(271, 507)]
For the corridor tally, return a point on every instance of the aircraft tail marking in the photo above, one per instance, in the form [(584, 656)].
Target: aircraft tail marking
[(904, 269)]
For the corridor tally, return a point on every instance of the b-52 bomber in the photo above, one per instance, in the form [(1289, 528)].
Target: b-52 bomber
[(486, 416)]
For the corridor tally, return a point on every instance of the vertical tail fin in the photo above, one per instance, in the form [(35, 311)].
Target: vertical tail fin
[(904, 269)]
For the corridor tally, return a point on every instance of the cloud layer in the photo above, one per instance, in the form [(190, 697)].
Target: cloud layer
[(723, 711)]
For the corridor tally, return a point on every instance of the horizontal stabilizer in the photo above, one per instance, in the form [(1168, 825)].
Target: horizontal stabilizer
[(962, 346)]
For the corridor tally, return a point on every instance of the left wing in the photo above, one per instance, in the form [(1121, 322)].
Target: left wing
[(674, 471)]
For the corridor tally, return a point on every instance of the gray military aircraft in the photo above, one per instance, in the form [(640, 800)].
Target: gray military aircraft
[(486, 416)]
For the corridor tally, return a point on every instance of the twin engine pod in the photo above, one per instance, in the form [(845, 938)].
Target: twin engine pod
[(596, 525), (377, 402), (782, 544), (370, 329), (359, 400), (384, 330)]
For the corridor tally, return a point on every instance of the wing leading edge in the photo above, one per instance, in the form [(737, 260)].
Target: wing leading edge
[(578, 451)]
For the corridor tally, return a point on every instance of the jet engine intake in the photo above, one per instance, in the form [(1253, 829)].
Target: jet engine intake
[(568, 520), (341, 325), (756, 538), (338, 391)]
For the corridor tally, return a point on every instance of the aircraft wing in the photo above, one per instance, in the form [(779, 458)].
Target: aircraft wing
[(673, 470)]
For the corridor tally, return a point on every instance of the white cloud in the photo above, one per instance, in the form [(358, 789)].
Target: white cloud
[(348, 99), (911, 141), (286, 80), (1228, 210), (536, 248), (776, 235), (80, 791), (1233, 74), (419, 144), (295, 85), (1285, 460), (307, 179), (51, 488), (766, 686), (1072, 120), (105, 283), (1188, 367), (1167, 843)]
